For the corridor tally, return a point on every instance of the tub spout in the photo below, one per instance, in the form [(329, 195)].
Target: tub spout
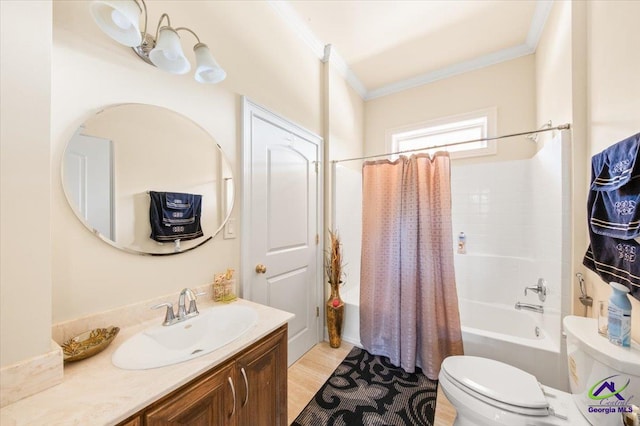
[(530, 307)]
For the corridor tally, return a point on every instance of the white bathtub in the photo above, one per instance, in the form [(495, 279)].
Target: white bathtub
[(351, 330), (493, 331), (504, 323), (506, 334)]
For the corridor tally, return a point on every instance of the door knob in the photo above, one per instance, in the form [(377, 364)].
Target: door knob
[(260, 268)]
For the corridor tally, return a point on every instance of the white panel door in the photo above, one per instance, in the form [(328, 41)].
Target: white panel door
[(88, 181), (283, 223)]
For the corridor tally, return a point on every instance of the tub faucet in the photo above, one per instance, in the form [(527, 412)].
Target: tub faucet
[(530, 307), (540, 289)]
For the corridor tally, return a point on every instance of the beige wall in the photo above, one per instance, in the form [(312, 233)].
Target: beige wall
[(613, 93), (263, 60), (555, 102), (77, 274), (344, 137), (586, 73), (67, 272), (346, 118), (344, 127), (509, 86), (25, 250), (553, 68)]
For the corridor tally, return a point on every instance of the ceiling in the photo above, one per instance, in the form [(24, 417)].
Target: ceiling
[(384, 46)]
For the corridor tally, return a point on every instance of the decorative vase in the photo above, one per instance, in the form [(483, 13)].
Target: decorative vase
[(335, 316)]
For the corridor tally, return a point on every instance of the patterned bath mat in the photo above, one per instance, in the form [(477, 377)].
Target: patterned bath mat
[(368, 390)]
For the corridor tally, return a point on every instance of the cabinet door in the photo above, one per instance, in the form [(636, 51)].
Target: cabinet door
[(209, 401), (132, 422), (262, 382)]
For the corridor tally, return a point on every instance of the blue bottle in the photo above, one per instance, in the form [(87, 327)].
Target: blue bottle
[(619, 316)]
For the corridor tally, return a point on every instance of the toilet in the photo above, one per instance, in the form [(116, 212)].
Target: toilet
[(604, 381)]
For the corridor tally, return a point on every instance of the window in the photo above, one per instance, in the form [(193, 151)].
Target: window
[(460, 128)]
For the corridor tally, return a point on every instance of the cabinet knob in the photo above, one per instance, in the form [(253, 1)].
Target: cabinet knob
[(260, 268)]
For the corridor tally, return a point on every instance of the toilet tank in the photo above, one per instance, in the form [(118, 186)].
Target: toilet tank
[(604, 378)]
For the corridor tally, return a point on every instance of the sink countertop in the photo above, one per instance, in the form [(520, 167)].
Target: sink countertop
[(95, 392)]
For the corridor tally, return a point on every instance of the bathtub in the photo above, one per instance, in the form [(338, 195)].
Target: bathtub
[(500, 332), (506, 323), (351, 330), (515, 337)]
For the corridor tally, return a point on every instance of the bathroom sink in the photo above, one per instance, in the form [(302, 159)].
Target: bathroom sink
[(164, 345)]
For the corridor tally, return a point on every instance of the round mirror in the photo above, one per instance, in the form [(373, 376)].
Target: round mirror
[(147, 180)]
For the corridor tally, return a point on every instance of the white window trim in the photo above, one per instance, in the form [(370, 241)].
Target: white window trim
[(490, 113)]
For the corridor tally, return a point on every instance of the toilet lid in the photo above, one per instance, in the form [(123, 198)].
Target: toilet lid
[(496, 380)]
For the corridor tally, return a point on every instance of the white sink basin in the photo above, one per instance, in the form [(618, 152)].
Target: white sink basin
[(164, 345)]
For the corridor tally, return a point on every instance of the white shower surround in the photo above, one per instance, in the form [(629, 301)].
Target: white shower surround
[(516, 217)]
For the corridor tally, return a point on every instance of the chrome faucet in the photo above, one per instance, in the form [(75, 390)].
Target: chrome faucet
[(530, 307), (170, 317), (182, 310), (540, 289)]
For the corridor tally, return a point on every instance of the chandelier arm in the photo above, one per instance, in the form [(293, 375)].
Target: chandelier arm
[(164, 15), (143, 9), (191, 31)]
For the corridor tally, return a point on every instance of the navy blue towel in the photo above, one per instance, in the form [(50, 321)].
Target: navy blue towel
[(613, 167), (615, 190), (616, 213), (174, 216), (615, 261), (179, 208), (614, 220)]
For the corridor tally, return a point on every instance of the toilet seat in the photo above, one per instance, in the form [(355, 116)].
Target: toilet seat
[(497, 384)]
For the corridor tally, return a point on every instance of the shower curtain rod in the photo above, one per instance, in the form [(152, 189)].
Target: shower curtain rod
[(559, 127)]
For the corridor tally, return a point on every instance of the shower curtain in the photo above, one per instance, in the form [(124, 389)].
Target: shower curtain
[(408, 300)]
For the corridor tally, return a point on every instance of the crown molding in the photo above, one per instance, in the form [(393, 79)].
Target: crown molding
[(326, 53), (330, 54), (286, 12), (543, 8), (450, 71), (340, 65), (540, 15)]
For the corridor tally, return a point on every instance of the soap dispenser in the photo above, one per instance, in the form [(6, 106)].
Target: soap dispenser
[(619, 316), (462, 243)]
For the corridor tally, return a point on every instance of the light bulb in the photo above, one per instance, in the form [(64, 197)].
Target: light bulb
[(120, 20), (167, 54), (207, 75), (207, 70), (171, 56)]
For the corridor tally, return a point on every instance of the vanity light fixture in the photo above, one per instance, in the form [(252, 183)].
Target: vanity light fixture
[(120, 20)]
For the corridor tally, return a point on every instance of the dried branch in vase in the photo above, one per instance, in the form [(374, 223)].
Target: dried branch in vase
[(333, 260)]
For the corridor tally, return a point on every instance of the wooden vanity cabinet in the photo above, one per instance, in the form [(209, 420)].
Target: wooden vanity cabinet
[(248, 390), (207, 402), (137, 421), (262, 378)]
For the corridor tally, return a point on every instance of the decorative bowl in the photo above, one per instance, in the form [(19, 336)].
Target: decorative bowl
[(88, 343)]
